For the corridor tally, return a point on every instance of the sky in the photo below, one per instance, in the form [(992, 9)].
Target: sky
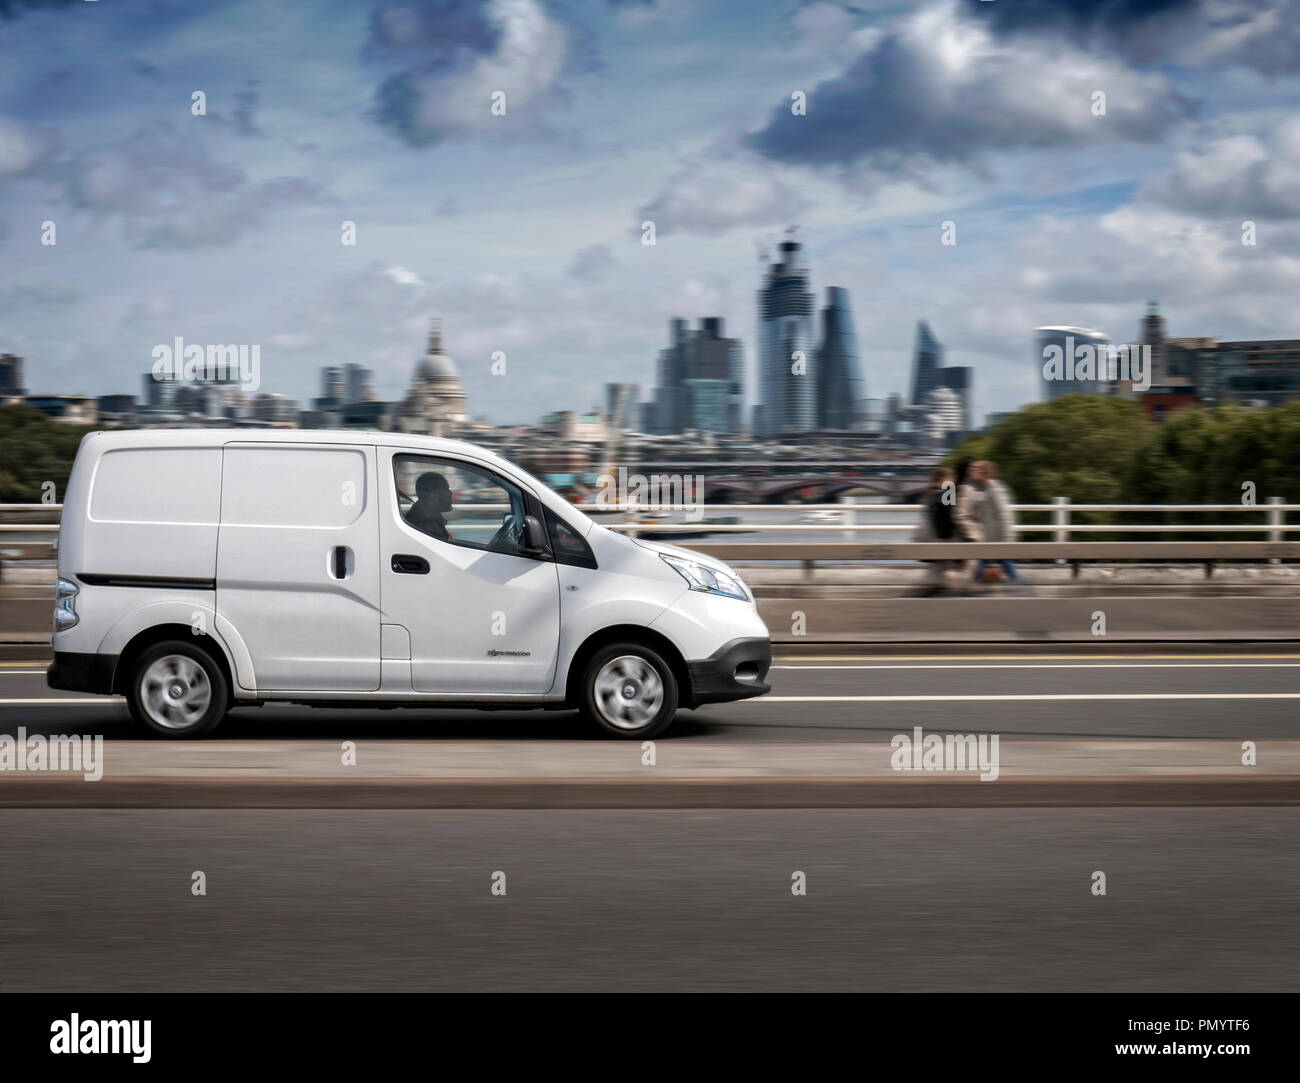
[(523, 229)]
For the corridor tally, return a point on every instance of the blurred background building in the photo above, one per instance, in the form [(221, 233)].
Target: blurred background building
[(841, 390), (786, 351)]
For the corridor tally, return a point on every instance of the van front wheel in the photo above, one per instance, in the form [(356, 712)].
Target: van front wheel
[(177, 689), (629, 691)]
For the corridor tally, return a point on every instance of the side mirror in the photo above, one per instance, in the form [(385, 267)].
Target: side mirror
[(535, 539)]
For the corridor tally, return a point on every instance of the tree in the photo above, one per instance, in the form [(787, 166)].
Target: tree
[(34, 450), (1078, 446)]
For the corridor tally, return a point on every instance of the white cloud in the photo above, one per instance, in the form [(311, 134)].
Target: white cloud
[(23, 148), (719, 197), (404, 277), (1236, 176)]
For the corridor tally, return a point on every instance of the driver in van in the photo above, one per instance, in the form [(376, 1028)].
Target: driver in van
[(433, 501)]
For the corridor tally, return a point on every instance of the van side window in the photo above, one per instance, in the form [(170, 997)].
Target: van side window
[(460, 503), (567, 544)]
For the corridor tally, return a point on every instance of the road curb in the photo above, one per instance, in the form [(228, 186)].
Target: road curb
[(675, 793)]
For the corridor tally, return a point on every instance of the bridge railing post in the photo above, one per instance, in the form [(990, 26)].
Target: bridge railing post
[(1061, 520), (1275, 533)]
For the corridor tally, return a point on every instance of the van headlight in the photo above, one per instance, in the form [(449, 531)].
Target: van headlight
[(708, 580), (65, 605)]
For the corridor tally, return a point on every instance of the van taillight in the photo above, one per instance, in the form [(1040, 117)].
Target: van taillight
[(65, 605)]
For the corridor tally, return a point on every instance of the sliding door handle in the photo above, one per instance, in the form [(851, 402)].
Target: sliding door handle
[(409, 565)]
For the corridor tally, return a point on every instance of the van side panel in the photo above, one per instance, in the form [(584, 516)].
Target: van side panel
[(151, 513), (297, 564)]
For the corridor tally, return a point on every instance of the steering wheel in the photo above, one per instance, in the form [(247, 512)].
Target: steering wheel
[(509, 537)]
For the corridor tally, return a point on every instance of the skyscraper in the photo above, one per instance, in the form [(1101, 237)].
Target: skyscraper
[(1152, 331), (926, 361), (943, 415), (623, 407), (714, 357), (840, 388), (358, 383), (11, 375), (695, 355), (1067, 358), (786, 351), (957, 378)]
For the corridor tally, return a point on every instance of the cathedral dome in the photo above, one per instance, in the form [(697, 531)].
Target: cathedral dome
[(435, 365), (435, 404)]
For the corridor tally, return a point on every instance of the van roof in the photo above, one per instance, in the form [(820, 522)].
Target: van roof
[(199, 437)]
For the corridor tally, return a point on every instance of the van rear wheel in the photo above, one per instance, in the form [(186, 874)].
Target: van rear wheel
[(178, 690), (629, 691)]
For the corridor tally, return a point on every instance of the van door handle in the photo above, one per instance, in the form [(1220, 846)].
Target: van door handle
[(403, 562), (340, 562)]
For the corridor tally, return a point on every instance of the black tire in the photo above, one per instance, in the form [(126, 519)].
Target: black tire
[(192, 704), (618, 695)]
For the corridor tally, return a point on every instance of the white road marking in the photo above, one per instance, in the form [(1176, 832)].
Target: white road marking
[(1013, 698), (1063, 665), (1017, 657), (88, 701)]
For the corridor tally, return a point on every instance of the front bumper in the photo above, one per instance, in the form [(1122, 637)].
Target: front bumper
[(734, 671), (74, 672)]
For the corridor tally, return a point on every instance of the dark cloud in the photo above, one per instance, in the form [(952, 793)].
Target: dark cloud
[(144, 69), (168, 192), (246, 102), (11, 9), (39, 293), (592, 263), (455, 57), (1263, 35), (1075, 15), (397, 108), (431, 32)]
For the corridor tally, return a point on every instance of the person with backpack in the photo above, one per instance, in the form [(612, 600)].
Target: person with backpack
[(938, 524)]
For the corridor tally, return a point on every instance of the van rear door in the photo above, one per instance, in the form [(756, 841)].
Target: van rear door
[(297, 570)]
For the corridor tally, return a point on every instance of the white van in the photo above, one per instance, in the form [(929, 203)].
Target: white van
[(204, 569)]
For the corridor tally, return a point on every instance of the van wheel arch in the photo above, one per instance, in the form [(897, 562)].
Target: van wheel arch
[(628, 633), (160, 633)]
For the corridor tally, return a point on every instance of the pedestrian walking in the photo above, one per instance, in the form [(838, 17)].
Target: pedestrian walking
[(938, 524), (997, 521)]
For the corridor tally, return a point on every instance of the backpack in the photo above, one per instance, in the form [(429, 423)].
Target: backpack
[(943, 517)]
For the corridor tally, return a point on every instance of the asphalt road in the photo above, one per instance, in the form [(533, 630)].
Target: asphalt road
[(1055, 692), (920, 899), (691, 900)]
